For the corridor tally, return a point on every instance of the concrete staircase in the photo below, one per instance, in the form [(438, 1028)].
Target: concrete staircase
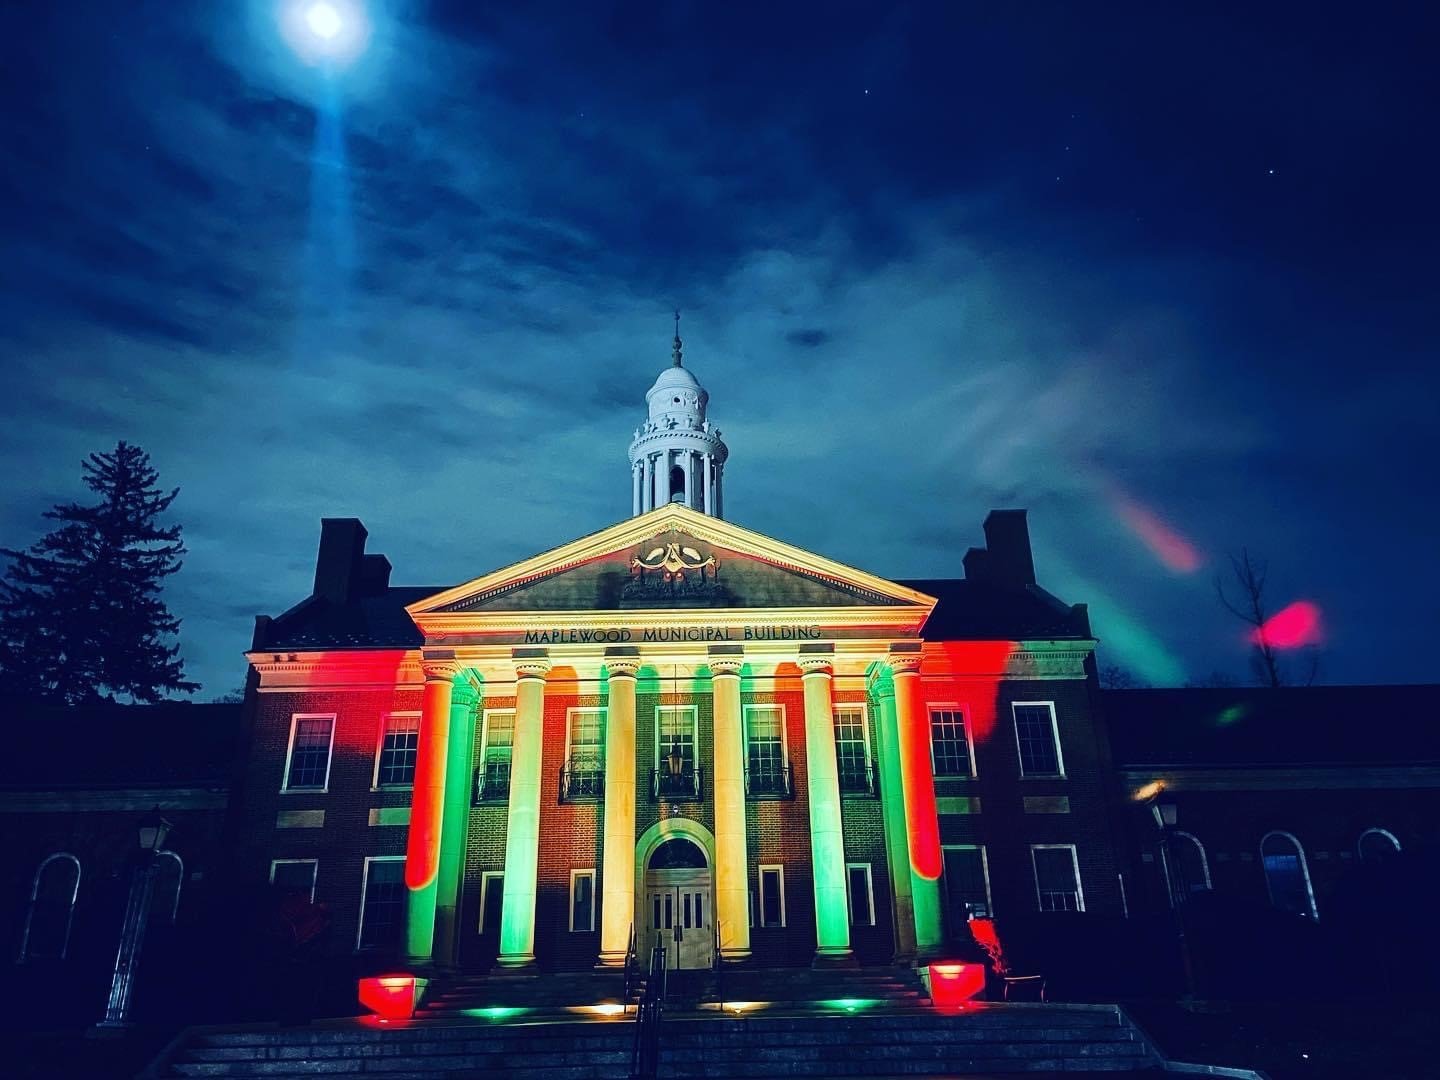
[(824, 1041)]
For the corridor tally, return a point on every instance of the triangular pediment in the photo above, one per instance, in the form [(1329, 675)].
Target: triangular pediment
[(670, 559)]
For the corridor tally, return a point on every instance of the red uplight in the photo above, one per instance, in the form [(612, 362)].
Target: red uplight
[(392, 997), (953, 984), (1290, 628)]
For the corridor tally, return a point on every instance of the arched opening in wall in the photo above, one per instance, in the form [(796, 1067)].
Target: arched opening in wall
[(1377, 846), (677, 484), (678, 906), (1286, 875), (51, 911), (1186, 865)]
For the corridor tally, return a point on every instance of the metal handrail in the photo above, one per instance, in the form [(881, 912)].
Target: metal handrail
[(862, 781), (683, 786), (582, 778), (632, 965), (492, 782), (645, 1052), (769, 782)]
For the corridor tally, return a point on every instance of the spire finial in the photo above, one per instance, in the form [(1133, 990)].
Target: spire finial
[(675, 348)]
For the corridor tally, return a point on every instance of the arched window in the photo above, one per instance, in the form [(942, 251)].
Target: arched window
[(1186, 865), (52, 908), (1286, 875), (1378, 845), (678, 487)]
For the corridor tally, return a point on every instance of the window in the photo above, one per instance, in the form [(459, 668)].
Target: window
[(949, 744), (861, 891), (1185, 863), (52, 908), (399, 742), (967, 884), (1038, 739), (294, 876), (582, 900), (772, 895), (382, 902), (1378, 845), (497, 739), (675, 773), (766, 772), (1057, 877), (492, 896), (583, 775), (852, 750), (308, 767), (1286, 875)]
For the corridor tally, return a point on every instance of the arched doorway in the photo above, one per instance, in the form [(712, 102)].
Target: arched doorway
[(677, 904)]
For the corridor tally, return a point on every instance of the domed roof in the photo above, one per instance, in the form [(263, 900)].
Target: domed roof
[(675, 378)]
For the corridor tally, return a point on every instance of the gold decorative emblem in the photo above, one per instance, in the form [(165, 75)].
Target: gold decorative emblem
[(674, 562)]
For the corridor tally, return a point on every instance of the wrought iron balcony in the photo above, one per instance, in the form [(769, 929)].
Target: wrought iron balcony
[(768, 781), (676, 785), (582, 779), (492, 782), (857, 779)]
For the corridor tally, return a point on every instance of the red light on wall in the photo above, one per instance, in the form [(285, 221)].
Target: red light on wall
[(954, 984), (392, 997), (1292, 627)]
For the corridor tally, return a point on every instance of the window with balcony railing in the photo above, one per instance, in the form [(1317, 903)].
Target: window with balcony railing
[(767, 772), (852, 751), (497, 738), (859, 778), (582, 779), (492, 781), (680, 784), (769, 781)]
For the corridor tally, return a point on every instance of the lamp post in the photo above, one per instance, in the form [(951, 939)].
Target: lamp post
[(1166, 814), (153, 830)]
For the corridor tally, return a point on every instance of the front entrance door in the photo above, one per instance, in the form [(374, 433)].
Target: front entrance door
[(678, 907)]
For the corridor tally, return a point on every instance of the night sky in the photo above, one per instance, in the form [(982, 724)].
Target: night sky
[(1149, 272)]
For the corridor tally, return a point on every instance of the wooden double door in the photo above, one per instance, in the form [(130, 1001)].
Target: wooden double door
[(678, 912)]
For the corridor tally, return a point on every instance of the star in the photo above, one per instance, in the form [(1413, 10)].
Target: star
[(1272, 172)]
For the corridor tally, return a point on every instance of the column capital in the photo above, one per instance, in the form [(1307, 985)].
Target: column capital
[(904, 663), (439, 670), (622, 667), (532, 667), (817, 664), (465, 693), (726, 665)]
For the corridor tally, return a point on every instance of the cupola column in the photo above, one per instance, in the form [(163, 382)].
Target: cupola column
[(635, 471), (709, 486), (522, 831), (663, 465), (617, 868), (732, 868), (647, 485)]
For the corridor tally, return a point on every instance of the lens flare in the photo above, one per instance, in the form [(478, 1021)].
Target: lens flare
[(1293, 627), (330, 33), (1165, 543)]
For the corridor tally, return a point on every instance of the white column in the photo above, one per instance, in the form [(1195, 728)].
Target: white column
[(647, 485), (720, 490), (827, 844), (662, 489), (634, 489), (732, 868), (709, 487), (522, 828), (617, 867)]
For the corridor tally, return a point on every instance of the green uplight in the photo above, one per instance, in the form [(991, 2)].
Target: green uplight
[(850, 1004), (495, 1012), (1233, 715)]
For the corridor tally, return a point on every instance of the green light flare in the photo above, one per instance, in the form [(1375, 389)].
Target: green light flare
[(495, 1012), (850, 1005), (1233, 715)]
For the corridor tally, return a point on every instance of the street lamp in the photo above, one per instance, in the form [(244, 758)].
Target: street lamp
[(1166, 814), (153, 830)]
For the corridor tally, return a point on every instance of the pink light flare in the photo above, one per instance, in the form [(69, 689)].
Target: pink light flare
[(1292, 627), (1173, 550)]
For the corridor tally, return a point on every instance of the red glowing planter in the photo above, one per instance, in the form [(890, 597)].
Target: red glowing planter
[(952, 984), (392, 997)]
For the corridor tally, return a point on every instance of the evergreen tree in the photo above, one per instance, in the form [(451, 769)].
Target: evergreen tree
[(81, 615)]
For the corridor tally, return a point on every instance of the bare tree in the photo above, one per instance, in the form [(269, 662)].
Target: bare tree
[(1115, 677), (1245, 599)]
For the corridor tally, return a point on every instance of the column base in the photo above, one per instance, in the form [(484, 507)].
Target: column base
[(518, 966), (735, 956), (610, 962), (833, 957)]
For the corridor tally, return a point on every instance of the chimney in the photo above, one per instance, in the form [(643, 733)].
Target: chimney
[(374, 575), (337, 567), (1007, 545), (977, 564)]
